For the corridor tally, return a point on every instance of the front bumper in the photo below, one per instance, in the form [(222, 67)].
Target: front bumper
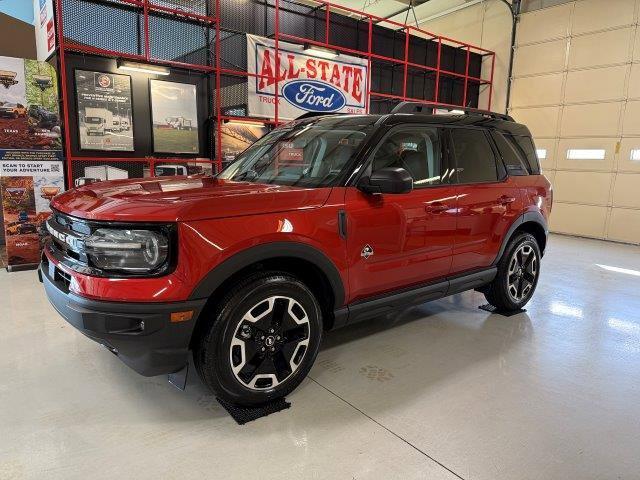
[(140, 334)]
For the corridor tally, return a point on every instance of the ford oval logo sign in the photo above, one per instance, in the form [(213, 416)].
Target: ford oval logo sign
[(313, 96)]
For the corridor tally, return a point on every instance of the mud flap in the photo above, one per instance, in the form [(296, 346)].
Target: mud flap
[(179, 379)]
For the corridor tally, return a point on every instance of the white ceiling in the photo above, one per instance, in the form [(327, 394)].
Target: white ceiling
[(424, 9)]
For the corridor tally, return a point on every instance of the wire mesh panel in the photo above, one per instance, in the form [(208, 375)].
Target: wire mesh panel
[(109, 25), (178, 40), (106, 169)]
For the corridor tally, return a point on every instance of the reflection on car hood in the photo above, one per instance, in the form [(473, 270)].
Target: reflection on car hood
[(183, 198)]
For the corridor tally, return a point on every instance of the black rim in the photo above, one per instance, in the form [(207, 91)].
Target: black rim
[(269, 343), (522, 272)]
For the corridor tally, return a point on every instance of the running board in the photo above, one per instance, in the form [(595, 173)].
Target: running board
[(400, 300)]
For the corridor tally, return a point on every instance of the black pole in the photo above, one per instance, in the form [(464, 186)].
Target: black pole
[(514, 8)]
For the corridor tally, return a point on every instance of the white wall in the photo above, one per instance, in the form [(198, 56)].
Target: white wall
[(576, 84), (487, 25)]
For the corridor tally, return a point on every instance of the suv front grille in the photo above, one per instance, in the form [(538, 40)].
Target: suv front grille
[(65, 228)]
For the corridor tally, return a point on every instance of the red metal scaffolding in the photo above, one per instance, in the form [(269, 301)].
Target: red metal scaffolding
[(216, 70)]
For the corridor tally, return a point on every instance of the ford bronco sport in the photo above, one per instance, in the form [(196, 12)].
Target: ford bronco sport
[(323, 222)]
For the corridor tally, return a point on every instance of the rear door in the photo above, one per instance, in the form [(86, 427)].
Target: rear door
[(395, 241), (488, 199)]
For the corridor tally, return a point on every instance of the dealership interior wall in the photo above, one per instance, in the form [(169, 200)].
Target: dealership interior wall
[(576, 84)]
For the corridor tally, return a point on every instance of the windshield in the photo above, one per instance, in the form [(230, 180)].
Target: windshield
[(93, 120), (308, 155)]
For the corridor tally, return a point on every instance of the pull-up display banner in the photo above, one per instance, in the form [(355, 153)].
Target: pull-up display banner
[(308, 80)]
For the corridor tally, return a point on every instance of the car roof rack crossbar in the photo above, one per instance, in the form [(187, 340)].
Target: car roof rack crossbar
[(424, 107)]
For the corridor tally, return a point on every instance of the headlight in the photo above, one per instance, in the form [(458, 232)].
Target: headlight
[(135, 251)]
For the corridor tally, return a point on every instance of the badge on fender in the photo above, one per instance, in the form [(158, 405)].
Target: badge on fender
[(367, 251)]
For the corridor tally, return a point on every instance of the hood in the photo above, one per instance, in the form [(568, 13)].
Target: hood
[(171, 199)]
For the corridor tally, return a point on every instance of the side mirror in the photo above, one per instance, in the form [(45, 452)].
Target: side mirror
[(387, 180)]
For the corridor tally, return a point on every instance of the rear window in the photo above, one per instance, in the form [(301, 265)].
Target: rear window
[(513, 159), (524, 145), (475, 161)]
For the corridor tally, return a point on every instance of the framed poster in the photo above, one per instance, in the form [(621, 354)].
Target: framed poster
[(105, 119), (174, 113), (238, 136)]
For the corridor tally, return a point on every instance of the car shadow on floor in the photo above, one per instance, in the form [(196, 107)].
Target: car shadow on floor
[(430, 343)]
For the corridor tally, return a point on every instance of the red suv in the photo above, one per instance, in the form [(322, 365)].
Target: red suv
[(323, 222)]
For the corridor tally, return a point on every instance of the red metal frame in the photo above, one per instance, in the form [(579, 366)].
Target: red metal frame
[(216, 70)]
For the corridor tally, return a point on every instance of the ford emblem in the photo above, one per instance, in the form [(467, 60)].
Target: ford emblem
[(313, 96)]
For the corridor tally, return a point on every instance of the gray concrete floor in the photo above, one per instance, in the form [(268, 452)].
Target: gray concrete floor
[(443, 391)]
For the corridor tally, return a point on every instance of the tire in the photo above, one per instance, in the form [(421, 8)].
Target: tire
[(262, 341), (518, 274)]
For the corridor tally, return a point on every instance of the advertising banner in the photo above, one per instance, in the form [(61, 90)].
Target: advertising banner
[(104, 111), (308, 81), (45, 28), (26, 188), (29, 120), (174, 111)]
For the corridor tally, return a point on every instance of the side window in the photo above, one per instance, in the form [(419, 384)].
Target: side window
[(475, 161), (513, 159), (529, 150), (417, 149)]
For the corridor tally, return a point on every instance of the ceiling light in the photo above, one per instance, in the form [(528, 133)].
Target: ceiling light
[(320, 51), (142, 68)]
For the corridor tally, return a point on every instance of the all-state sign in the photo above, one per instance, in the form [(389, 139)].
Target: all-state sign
[(306, 82)]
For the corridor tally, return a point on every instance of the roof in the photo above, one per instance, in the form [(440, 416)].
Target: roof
[(392, 119)]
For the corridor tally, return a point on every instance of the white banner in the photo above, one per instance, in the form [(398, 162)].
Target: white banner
[(45, 28), (309, 81)]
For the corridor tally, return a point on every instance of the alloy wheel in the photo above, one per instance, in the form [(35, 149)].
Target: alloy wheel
[(522, 272), (269, 343)]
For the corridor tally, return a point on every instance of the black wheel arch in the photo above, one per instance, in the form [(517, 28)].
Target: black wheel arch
[(305, 262), (530, 222)]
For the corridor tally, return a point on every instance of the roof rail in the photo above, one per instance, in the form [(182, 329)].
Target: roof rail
[(424, 107), (316, 114)]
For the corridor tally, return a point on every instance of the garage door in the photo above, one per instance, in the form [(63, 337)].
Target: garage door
[(577, 86)]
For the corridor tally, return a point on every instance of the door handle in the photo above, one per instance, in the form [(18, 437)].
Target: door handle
[(506, 200), (436, 207)]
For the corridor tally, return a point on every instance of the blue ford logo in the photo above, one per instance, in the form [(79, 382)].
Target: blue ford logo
[(313, 96)]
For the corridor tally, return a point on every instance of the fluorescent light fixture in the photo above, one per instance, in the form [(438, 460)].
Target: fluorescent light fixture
[(635, 154), (320, 51), (586, 154), (626, 271), (246, 122), (541, 153), (142, 68)]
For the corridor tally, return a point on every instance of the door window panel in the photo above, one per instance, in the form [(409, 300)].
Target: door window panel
[(475, 161), (417, 150)]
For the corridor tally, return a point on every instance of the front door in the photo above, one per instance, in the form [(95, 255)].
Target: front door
[(399, 240)]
